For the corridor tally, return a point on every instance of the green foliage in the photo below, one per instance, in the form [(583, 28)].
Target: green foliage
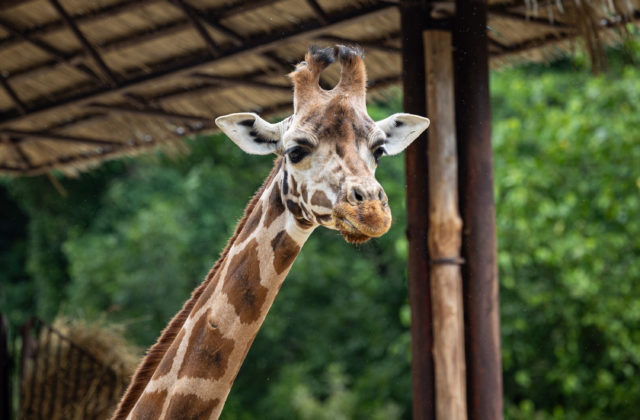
[(568, 198)]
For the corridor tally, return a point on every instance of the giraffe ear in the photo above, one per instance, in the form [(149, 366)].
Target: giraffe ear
[(401, 129), (251, 133)]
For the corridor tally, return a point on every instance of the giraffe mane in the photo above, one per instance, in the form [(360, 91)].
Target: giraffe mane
[(145, 370)]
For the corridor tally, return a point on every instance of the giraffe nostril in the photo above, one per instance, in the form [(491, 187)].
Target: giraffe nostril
[(357, 195), (380, 195)]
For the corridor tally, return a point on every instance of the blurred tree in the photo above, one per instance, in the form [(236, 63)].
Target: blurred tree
[(567, 170)]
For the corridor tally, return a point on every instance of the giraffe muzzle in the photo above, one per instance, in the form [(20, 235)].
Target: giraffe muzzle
[(360, 222)]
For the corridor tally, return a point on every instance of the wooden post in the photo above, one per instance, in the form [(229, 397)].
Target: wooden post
[(413, 82), (445, 228), (480, 274)]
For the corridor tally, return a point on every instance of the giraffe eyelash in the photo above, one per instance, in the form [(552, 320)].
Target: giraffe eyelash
[(297, 153)]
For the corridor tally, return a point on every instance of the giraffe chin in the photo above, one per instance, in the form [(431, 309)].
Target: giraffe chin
[(350, 221), (354, 238)]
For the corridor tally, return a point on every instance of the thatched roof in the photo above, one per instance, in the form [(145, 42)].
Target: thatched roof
[(83, 81)]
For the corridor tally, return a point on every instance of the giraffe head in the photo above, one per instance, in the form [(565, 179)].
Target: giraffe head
[(331, 147)]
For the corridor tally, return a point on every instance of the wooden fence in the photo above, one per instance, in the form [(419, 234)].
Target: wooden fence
[(57, 378)]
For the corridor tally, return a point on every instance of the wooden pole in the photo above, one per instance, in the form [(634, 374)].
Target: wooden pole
[(414, 101), (480, 274), (445, 228)]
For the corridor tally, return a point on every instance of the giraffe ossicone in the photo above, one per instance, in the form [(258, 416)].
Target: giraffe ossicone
[(328, 151)]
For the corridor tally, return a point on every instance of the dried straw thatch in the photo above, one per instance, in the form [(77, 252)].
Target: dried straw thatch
[(75, 370), (83, 81)]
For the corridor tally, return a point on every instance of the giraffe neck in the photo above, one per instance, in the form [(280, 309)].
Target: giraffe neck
[(195, 373)]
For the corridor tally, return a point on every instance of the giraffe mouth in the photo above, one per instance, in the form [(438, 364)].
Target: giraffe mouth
[(358, 224), (350, 233)]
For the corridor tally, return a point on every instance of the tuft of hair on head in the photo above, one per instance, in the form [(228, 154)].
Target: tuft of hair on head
[(353, 76), (348, 54), (319, 58)]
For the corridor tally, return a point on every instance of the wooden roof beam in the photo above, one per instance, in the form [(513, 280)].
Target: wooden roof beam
[(42, 135), (121, 42), (193, 17), (503, 13), (12, 144), (15, 143), (220, 12), (318, 11), (59, 57), (238, 81), (12, 94), (90, 16), (210, 18), (153, 112), (374, 44), (80, 158), (557, 37), (195, 62), (85, 43), (12, 169), (124, 41)]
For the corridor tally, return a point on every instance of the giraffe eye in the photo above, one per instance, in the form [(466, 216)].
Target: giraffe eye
[(297, 153), (378, 153)]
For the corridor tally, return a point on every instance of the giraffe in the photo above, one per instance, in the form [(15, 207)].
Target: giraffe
[(327, 152)]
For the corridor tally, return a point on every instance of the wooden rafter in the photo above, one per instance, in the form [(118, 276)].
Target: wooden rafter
[(42, 135), (279, 63), (238, 81), (195, 62), (15, 144), (59, 56), (12, 94), (556, 37), (88, 118), (39, 169), (220, 12), (318, 11), (211, 19), (121, 42), (153, 112), (504, 13), (84, 41), (193, 17), (374, 44)]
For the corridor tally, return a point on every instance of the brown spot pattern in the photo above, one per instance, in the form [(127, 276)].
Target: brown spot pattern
[(149, 406), (242, 284), (319, 198), (252, 223), (303, 191), (207, 354), (294, 186), (294, 208), (285, 183), (276, 208), (190, 407), (304, 224), (322, 217), (285, 251), (167, 361)]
